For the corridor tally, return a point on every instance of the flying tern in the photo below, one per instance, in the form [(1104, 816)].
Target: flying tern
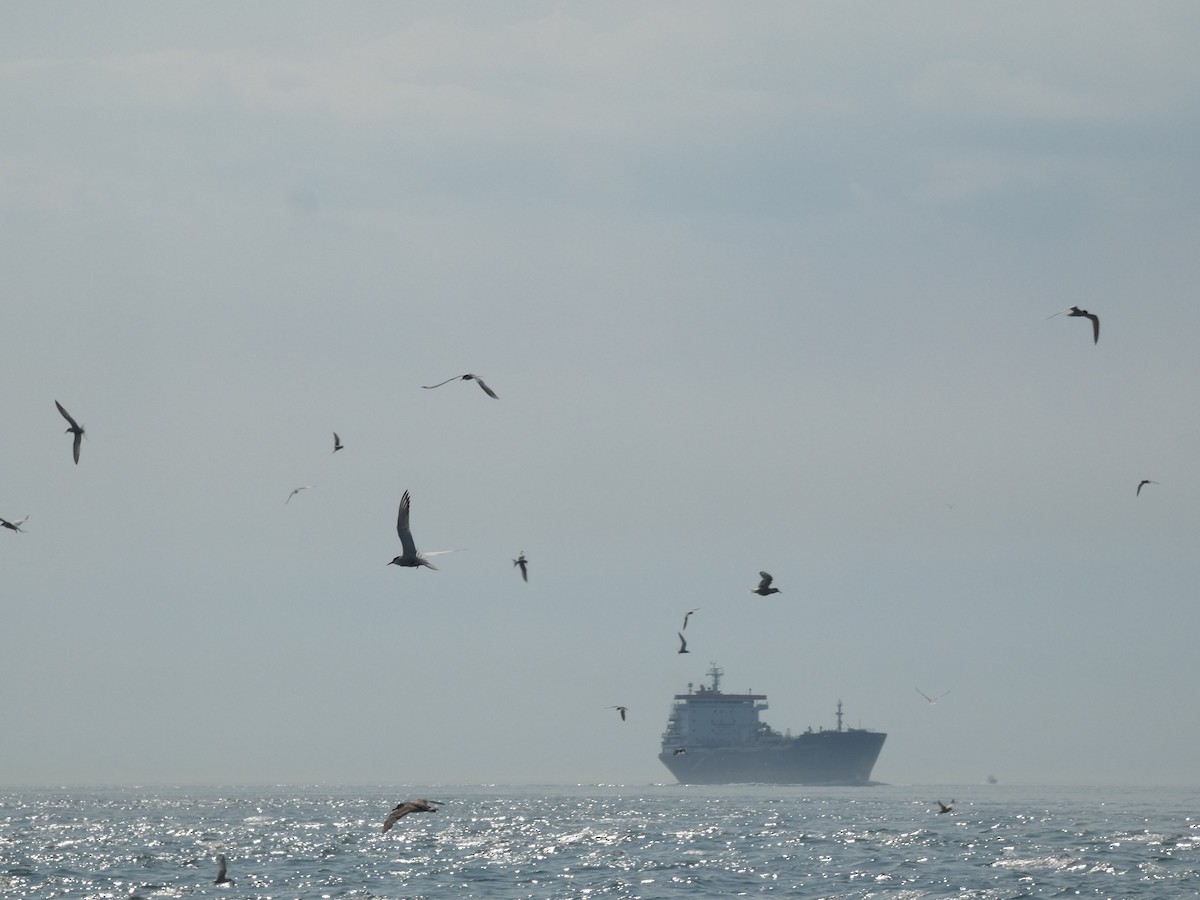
[(303, 487), (622, 710), (468, 377), (14, 526), (687, 616), (75, 429), (410, 558), (682, 643), (523, 564), (927, 697), (337, 442), (1075, 311), (1141, 484), (764, 586)]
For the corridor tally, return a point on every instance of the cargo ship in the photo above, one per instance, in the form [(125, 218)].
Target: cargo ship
[(716, 738)]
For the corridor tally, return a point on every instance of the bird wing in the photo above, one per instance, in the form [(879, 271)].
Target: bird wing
[(66, 415), (682, 641), (406, 538), (221, 868), (337, 441), (440, 383), (76, 443), (1095, 326), (396, 815), (923, 694), (766, 581), (487, 390)]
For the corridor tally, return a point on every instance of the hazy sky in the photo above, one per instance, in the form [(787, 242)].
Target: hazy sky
[(760, 286)]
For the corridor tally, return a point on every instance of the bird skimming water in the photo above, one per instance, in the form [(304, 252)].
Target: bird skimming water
[(221, 877), (75, 429), (468, 377), (764, 586), (403, 809)]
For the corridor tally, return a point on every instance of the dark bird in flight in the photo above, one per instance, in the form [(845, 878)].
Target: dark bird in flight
[(678, 750), (522, 563), (410, 558), (295, 491), (75, 429), (221, 877), (468, 377), (14, 526), (1141, 484), (621, 709), (403, 809), (944, 808), (764, 587), (927, 697), (682, 643), (687, 616), (1075, 311), (337, 442)]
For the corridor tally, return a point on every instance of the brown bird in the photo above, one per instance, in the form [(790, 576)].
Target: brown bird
[(522, 563), (1141, 484), (403, 809), (75, 429), (944, 808), (621, 709), (764, 587), (468, 377), (1075, 312), (14, 526)]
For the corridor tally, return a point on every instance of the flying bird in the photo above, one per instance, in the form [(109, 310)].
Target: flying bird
[(403, 809), (337, 442), (221, 877), (621, 709), (14, 526), (523, 564), (410, 558), (1075, 311), (682, 643), (764, 587), (943, 808), (303, 487), (1141, 484), (468, 377), (687, 616), (75, 429), (927, 697)]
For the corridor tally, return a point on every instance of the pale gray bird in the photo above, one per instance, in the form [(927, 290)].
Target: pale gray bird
[(221, 877), (75, 429), (14, 526), (523, 564), (468, 377), (764, 586), (337, 442), (1141, 484), (403, 809), (1075, 312), (410, 558), (303, 487)]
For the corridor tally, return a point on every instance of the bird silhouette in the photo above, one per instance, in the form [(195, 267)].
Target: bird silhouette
[(1075, 312), (682, 643), (621, 709), (1141, 484), (927, 697), (764, 586), (295, 491), (14, 526), (221, 877), (75, 429), (523, 564), (944, 808), (687, 616), (468, 377), (403, 809), (410, 558), (337, 442)]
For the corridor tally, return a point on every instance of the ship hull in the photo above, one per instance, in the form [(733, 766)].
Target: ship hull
[(823, 757)]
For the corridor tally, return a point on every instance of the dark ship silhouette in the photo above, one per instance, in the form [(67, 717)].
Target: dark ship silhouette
[(725, 743)]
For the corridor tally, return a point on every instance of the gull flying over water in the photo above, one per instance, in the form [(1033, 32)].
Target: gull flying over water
[(337, 442), (522, 563), (410, 558), (927, 697), (303, 487), (75, 429), (468, 377), (1141, 484), (682, 643), (221, 877), (687, 616), (621, 709), (403, 809), (1075, 311), (14, 526), (764, 586)]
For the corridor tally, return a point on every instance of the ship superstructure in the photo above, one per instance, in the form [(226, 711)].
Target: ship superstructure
[(717, 738)]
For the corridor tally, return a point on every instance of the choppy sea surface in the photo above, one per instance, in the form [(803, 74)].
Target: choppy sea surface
[(602, 841)]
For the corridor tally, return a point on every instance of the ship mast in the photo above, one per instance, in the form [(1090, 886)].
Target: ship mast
[(839, 715), (715, 674)]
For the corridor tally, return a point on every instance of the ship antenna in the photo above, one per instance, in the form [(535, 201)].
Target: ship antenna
[(715, 674), (839, 714)]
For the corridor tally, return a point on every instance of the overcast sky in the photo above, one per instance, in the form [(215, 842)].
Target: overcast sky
[(760, 286)]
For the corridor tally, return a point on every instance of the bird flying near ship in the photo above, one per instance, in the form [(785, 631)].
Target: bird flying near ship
[(295, 491), (221, 878), (682, 643)]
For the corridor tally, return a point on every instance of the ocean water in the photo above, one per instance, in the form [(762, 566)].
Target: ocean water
[(602, 841)]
